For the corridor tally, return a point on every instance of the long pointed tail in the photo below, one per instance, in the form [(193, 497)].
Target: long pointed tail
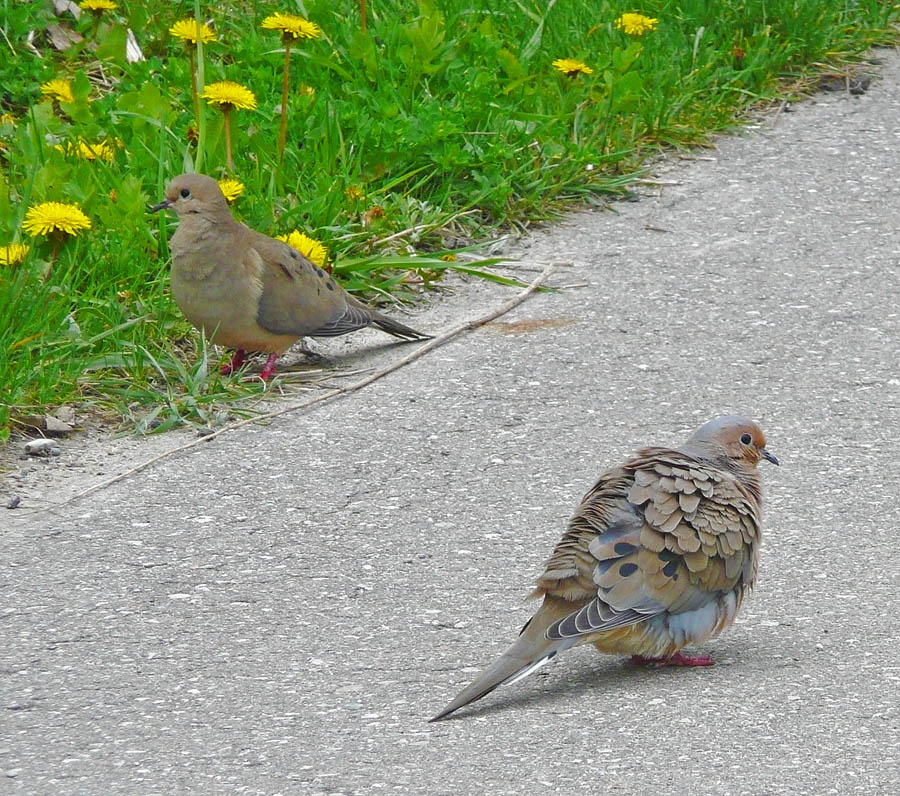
[(530, 651), (361, 310), (396, 328), (382, 322)]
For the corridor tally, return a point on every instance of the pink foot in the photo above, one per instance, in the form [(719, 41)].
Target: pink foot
[(678, 659), (236, 361), (269, 368)]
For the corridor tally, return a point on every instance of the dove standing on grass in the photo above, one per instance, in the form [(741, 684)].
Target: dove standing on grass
[(659, 555), (248, 291)]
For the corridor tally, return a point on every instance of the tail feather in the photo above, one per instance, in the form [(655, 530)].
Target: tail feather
[(530, 651), (382, 322), (506, 669), (396, 328)]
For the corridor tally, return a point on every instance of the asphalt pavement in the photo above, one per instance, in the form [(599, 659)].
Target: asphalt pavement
[(282, 610)]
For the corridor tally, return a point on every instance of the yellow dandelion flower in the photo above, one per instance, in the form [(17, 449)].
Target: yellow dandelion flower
[(292, 26), (189, 31), (572, 68), (8, 118), (13, 253), (58, 89), (292, 29), (228, 96), (450, 257), (231, 188), (636, 24), (101, 150), (306, 90), (308, 247), (98, 5), (227, 92), (354, 193), (55, 217)]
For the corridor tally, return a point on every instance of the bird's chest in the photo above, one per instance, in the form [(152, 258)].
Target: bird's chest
[(213, 287), (197, 252)]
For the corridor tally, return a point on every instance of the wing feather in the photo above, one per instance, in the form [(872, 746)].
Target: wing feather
[(664, 533)]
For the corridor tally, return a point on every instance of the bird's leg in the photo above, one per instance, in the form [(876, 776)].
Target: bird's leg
[(236, 361), (269, 368), (678, 659)]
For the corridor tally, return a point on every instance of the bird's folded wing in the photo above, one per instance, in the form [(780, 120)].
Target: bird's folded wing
[(300, 298), (662, 534)]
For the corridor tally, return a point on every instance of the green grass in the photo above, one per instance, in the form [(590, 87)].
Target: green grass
[(446, 117)]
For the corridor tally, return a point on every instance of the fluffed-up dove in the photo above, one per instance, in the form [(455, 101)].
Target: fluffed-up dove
[(248, 291), (660, 554)]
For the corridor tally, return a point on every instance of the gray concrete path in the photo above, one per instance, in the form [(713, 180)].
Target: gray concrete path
[(281, 611)]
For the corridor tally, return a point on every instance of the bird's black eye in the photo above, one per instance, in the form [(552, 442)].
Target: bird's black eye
[(746, 439), (185, 193)]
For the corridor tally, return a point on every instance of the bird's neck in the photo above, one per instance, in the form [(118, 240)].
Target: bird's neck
[(198, 236), (748, 476)]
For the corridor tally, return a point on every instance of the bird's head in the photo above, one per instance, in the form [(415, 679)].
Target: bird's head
[(193, 193), (732, 439)]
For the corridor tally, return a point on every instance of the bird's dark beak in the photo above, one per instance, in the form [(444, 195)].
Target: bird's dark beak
[(161, 206), (768, 456)]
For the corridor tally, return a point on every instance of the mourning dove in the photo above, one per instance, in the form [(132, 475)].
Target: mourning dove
[(248, 291), (659, 555)]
